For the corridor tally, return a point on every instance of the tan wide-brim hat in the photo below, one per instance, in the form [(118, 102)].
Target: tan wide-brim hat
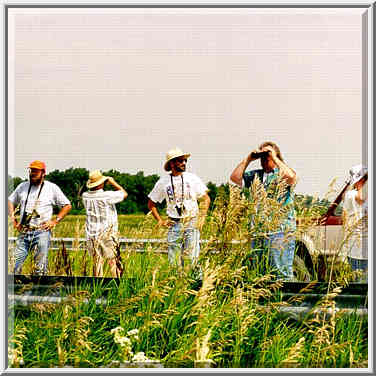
[(95, 178), (172, 154)]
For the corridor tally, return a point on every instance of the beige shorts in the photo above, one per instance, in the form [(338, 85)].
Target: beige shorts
[(104, 245)]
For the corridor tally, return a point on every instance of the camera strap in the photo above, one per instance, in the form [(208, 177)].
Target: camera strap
[(27, 197), (182, 188)]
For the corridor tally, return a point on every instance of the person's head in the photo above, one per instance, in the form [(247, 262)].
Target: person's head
[(267, 162), (358, 176), (96, 180), (176, 161), (37, 172)]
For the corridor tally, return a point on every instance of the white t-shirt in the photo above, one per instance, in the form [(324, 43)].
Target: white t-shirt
[(192, 189), (101, 212), (357, 244), (50, 196)]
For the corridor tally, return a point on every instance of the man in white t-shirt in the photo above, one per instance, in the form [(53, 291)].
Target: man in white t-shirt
[(182, 190), (36, 199), (102, 222)]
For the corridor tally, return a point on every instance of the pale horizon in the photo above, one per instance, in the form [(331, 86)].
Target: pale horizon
[(105, 89)]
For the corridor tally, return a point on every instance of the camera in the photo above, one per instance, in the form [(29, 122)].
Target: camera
[(26, 217), (180, 209)]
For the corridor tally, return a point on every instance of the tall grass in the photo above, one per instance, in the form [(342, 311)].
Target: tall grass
[(230, 319), (222, 324)]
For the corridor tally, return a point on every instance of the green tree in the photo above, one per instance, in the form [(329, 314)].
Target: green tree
[(73, 183), (13, 183)]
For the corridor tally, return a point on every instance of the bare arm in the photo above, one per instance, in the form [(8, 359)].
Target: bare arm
[(285, 171), (204, 202), (237, 175), (155, 213), (117, 186), (11, 209), (53, 222)]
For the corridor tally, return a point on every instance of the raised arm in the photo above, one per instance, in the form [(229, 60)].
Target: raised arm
[(286, 172), (237, 175), (117, 186)]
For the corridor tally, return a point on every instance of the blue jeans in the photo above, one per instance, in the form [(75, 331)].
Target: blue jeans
[(358, 264), (278, 250), (25, 243), (183, 238)]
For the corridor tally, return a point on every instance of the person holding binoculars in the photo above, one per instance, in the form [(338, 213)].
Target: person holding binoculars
[(36, 199), (278, 245)]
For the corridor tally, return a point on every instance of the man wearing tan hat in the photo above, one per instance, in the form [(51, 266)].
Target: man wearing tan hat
[(36, 198), (182, 190), (102, 222)]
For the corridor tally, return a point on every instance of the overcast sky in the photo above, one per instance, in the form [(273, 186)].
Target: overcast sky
[(118, 88)]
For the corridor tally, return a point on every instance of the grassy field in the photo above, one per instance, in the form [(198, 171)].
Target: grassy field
[(230, 319), (180, 324)]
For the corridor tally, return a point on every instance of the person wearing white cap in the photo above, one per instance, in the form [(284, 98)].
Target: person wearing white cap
[(102, 223), (355, 214), (182, 190)]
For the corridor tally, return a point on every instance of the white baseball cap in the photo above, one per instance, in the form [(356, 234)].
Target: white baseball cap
[(356, 173)]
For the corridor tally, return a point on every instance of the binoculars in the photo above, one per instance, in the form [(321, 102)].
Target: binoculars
[(260, 154), (26, 217)]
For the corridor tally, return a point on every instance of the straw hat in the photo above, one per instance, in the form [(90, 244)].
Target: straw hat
[(172, 154), (356, 173), (95, 178), (39, 165)]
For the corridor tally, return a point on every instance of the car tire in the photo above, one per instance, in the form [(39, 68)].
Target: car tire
[(301, 271)]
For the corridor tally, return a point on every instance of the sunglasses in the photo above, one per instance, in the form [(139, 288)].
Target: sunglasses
[(180, 160)]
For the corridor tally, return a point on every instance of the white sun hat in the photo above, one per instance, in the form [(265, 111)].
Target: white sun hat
[(172, 154), (356, 173), (95, 178)]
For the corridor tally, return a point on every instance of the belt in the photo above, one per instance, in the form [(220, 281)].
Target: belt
[(175, 219), (29, 229), (182, 219)]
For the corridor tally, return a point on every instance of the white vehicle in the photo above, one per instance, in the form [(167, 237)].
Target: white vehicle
[(320, 247)]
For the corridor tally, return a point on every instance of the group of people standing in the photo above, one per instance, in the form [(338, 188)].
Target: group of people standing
[(187, 203)]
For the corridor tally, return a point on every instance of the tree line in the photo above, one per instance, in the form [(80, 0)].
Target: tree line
[(73, 183)]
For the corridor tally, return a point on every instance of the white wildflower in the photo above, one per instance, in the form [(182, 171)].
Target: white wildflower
[(133, 332), (140, 357), (14, 357), (123, 341), (117, 330)]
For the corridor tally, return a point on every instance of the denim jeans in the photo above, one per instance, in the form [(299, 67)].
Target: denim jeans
[(183, 238), (359, 264), (276, 250), (25, 243)]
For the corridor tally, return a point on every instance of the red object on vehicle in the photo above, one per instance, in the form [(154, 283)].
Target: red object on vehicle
[(333, 220)]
